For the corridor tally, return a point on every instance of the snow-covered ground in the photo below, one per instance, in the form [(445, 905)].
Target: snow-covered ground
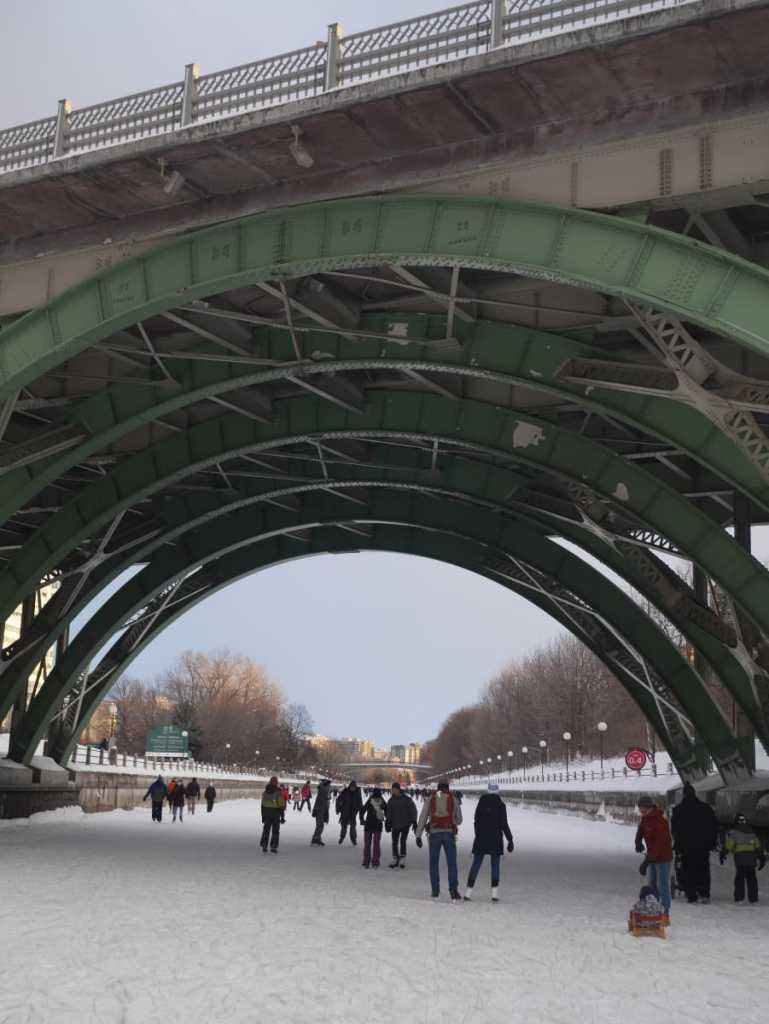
[(111, 918)]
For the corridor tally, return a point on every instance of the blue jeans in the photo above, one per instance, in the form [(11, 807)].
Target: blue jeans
[(475, 867), (658, 875), (443, 841)]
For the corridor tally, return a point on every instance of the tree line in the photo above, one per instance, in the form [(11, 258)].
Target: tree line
[(562, 687), (228, 705)]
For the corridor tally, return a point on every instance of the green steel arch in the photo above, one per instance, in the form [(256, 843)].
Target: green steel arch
[(186, 514), (705, 285), (486, 528), (649, 266), (504, 354), (500, 432)]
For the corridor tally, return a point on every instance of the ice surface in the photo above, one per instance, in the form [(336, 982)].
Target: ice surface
[(111, 918)]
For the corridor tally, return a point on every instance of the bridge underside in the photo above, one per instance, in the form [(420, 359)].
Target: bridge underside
[(518, 389)]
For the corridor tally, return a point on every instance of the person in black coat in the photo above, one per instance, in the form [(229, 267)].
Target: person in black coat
[(157, 792), (400, 816), (349, 804), (178, 800), (210, 795), (193, 795), (490, 826), (372, 818), (320, 811), (695, 833)]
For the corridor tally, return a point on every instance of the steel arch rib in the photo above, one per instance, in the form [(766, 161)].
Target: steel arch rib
[(391, 416), (246, 564), (485, 529), (489, 351), (186, 514), (654, 267)]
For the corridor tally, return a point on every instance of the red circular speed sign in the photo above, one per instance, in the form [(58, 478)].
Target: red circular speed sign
[(635, 759)]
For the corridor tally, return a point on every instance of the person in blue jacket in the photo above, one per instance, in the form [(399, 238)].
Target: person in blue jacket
[(157, 791)]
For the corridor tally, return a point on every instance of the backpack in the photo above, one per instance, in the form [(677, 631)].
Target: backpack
[(442, 811)]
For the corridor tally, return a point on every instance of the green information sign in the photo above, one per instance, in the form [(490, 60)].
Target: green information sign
[(168, 739)]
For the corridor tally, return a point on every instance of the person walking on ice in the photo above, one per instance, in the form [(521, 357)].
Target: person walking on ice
[(372, 818), (349, 804), (193, 795), (306, 797), (748, 851), (400, 816), (654, 834), (442, 814), (210, 795), (157, 792), (490, 826), (320, 811), (273, 815), (178, 800)]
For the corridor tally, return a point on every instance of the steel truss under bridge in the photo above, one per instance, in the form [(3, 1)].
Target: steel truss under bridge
[(473, 381)]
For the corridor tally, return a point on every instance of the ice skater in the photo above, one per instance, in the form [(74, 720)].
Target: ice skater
[(320, 811), (400, 816), (193, 795), (348, 806), (273, 815), (490, 828), (654, 834), (443, 815), (372, 818), (210, 796), (157, 792), (748, 851), (178, 800)]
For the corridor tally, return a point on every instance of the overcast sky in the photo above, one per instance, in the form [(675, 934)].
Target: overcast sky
[(375, 645)]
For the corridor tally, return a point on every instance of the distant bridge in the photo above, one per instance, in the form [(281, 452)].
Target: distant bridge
[(387, 764)]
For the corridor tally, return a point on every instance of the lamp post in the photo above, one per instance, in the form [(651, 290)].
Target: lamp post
[(509, 762), (488, 762), (602, 727), (542, 749), (227, 753), (524, 751), (567, 740)]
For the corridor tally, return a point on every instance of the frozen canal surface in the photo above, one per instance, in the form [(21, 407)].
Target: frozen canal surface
[(109, 918)]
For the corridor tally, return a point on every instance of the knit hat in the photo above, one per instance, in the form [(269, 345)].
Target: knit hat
[(376, 792), (689, 790), (274, 780), (645, 801), (396, 785), (443, 784)]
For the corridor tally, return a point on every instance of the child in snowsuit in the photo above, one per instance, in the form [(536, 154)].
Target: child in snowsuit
[(748, 851), (372, 817)]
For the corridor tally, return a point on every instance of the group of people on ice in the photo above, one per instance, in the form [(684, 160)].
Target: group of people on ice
[(677, 853), (440, 818), (178, 796)]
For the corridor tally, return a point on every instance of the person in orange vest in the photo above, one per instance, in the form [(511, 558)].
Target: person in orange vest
[(442, 815)]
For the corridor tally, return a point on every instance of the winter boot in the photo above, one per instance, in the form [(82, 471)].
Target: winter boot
[(469, 893), (495, 894), (402, 863), (395, 863), (455, 895), (435, 894)]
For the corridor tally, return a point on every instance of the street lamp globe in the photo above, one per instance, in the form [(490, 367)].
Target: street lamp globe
[(602, 726), (524, 750), (543, 743), (567, 736), (509, 753), (488, 760)]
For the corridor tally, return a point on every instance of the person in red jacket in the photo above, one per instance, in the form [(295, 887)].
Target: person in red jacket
[(654, 834)]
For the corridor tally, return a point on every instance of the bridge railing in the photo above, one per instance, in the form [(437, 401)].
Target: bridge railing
[(338, 61)]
